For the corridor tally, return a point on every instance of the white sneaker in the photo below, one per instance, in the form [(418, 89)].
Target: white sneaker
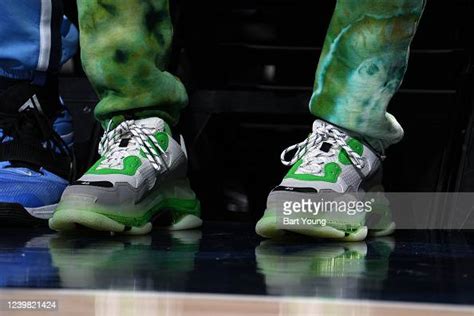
[(328, 161), (141, 174)]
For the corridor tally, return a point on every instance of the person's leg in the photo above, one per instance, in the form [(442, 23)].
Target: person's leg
[(362, 65), (35, 39), (142, 169), (125, 50)]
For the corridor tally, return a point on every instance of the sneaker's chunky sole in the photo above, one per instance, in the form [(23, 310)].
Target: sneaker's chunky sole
[(268, 227), (330, 225), (175, 197), (16, 214), (341, 226)]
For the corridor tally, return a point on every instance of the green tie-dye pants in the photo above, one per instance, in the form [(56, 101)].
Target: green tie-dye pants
[(125, 47)]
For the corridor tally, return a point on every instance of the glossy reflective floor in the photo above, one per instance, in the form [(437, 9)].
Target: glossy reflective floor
[(228, 258)]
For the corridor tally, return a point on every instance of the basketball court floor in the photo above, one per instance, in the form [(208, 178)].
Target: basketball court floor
[(226, 269)]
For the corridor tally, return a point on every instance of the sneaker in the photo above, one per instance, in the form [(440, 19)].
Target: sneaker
[(140, 175), (36, 157), (328, 161)]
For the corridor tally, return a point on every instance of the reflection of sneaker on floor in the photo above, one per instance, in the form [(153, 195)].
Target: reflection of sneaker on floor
[(328, 161), (141, 174), (81, 262), (297, 269), (36, 158), (327, 269), (149, 262)]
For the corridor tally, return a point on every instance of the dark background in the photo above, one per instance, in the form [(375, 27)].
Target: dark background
[(249, 68)]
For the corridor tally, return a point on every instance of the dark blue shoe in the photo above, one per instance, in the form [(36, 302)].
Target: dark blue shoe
[(36, 155)]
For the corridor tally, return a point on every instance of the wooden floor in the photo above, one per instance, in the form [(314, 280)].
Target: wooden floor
[(71, 302)]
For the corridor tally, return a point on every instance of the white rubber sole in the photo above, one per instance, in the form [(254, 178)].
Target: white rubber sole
[(44, 212)]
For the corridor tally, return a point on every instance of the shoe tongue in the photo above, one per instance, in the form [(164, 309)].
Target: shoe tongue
[(154, 123), (319, 124), (128, 143)]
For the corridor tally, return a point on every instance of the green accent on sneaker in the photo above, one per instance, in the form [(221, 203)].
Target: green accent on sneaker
[(331, 173), (356, 146), (184, 207), (130, 167), (163, 140)]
